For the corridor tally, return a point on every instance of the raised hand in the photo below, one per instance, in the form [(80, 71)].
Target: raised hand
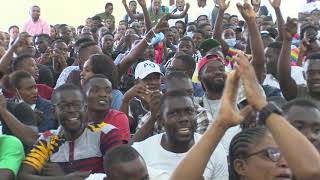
[(275, 3), (155, 103), (290, 28), (250, 82), (187, 6), (246, 10), (162, 25), (139, 90), (124, 2), (223, 5), (228, 115), (142, 3)]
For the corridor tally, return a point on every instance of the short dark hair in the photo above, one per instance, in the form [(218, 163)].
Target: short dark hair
[(19, 60), (82, 41), (187, 38), (188, 60), (203, 25), (107, 33), (120, 154), (13, 26), (13, 80), (201, 16), (199, 32), (301, 102), (132, 1), (275, 45), (171, 95), (108, 4), (86, 83), (45, 36), (86, 45), (176, 75), (65, 87), (103, 64), (57, 41)]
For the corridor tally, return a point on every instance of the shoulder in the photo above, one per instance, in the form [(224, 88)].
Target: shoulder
[(101, 127), (151, 141)]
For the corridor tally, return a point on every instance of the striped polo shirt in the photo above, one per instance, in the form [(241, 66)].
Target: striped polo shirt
[(83, 154)]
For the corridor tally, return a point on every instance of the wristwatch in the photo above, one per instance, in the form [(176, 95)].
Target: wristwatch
[(266, 111)]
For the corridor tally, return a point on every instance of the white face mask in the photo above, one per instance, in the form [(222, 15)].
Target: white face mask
[(189, 34), (231, 42)]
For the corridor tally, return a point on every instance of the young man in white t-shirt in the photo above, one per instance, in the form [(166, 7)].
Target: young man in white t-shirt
[(163, 152)]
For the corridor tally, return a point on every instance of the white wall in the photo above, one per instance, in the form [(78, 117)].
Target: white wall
[(74, 12)]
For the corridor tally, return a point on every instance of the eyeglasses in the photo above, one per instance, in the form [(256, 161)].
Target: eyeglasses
[(78, 105), (273, 154)]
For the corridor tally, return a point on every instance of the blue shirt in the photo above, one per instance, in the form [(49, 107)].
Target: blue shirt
[(47, 121), (117, 99)]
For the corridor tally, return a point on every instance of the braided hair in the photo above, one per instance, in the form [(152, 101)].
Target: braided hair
[(241, 145)]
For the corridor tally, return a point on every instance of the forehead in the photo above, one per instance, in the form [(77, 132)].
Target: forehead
[(69, 96), (100, 83), (185, 43), (176, 103), (179, 84), (214, 63), (107, 36), (304, 114), (27, 82), (266, 141), (35, 8)]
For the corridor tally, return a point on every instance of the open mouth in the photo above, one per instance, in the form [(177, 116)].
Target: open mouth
[(103, 102), (284, 176)]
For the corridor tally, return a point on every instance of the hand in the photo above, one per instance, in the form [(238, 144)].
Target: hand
[(155, 103), (246, 11), (250, 82), (20, 41), (142, 3), (228, 115), (59, 61), (78, 175), (124, 2), (187, 6), (139, 90), (46, 57), (275, 3), (290, 28), (3, 103), (162, 25), (38, 115), (52, 169), (222, 5)]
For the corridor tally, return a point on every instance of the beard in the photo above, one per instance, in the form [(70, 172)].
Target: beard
[(213, 86)]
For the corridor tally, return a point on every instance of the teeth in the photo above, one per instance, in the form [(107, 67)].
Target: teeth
[(103, 102), (73, 119), (184, 131)]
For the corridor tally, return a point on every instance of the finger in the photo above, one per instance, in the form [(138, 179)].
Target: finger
[(244, 112), (240, 7), (228, 4)]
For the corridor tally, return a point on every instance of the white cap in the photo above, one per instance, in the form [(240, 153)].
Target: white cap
[(145, 68)]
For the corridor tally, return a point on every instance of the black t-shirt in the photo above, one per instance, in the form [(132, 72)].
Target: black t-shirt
[(22, 112)]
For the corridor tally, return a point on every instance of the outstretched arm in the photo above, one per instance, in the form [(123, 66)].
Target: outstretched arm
[(280, 21), (257, 48), (181, 15), (130, 14), (287, 84)]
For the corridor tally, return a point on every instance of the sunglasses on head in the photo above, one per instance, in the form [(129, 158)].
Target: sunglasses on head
[(273, 154)]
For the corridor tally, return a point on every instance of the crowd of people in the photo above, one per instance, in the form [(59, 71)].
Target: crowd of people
[(163, 95)]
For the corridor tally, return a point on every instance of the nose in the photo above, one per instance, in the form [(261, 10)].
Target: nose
[(282, 163)]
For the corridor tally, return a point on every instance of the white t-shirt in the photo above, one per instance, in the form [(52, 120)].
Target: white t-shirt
[(172, 22), (156, 157), (296, 74)]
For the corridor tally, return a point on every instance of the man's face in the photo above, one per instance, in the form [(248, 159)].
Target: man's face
[(180, 4), (156, 4), (180, 28), (212, 76), (186, 47), (229, 34), (89, 22), (133, 6), (208, 31), (35, 12), (14, 33), (307, 121), (70, 111), (313, 75), (109, 9), (234, 21), (197, 39), (41, 44), (29, 65), (132, 170), (170, 37), (179, 119), (28, 90), (27, 48), (62, 47), (272, 56), (153, 81), (200, 2), (122, 29), (176, 34), (99, 95), (65, 33), (107, 42)]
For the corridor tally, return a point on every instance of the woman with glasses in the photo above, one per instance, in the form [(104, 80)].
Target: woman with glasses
[(276, 152)]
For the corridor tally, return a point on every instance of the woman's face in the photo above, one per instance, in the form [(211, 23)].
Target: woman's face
[(86, 72), (260, 166)]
